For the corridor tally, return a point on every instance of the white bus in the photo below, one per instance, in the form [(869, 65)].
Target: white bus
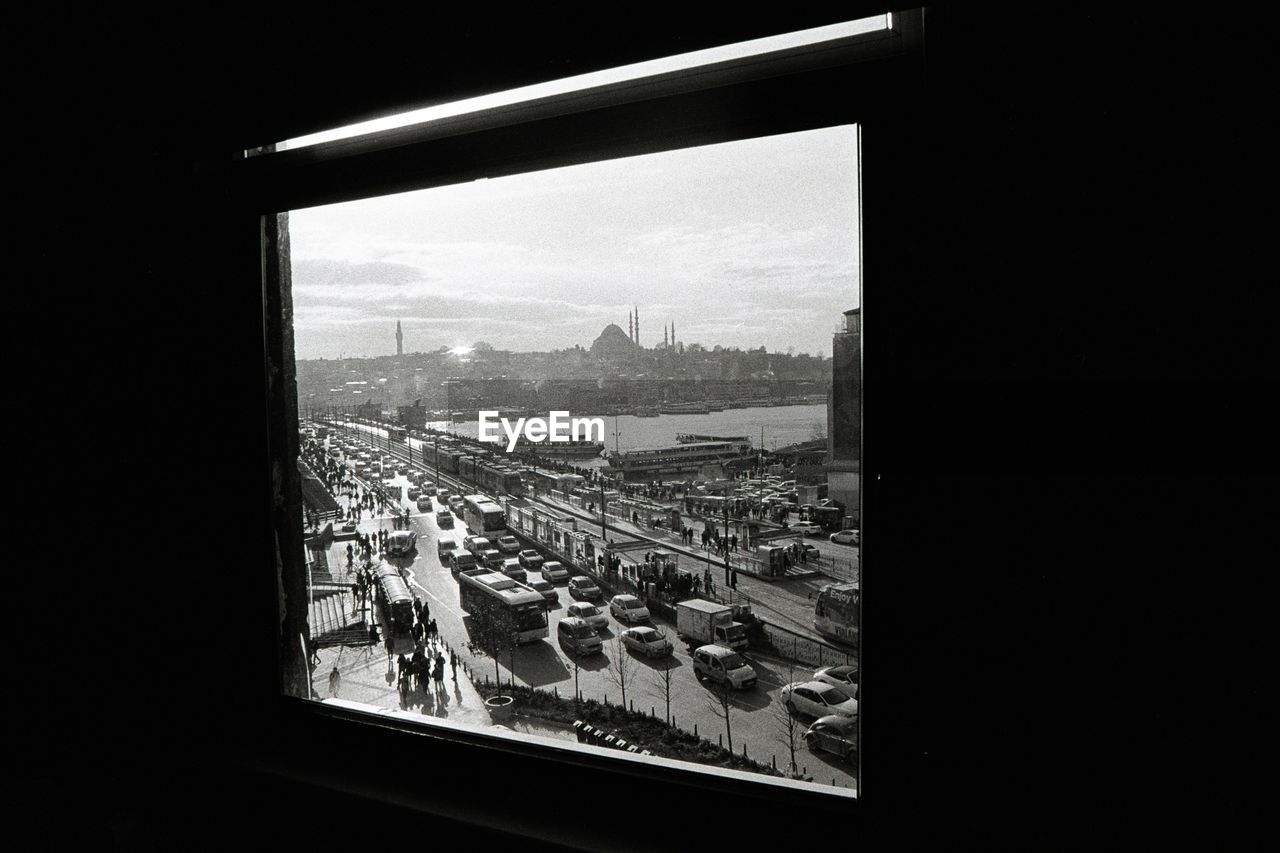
[(483, 516), (835, 614), (486, 592)]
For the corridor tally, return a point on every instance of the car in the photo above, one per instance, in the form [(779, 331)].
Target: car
[(444, 518), (577, 637), (428, 489), (548, 591), (818, 699), (508, 544), (647, 640), (413, 493), (844, 537), (834, 733), (443, 497), (583, 587), (512, 569), (461, 561), (530, 558), (628, 608), (476, 544), (722, 666), (492, 558), (808, 528), (589, 613), (402, 542), (844, 676), (455, 505), (445, 547), (554, 571), (424, 503)]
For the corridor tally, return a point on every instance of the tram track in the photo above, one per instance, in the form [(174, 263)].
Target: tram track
[(454, 482)]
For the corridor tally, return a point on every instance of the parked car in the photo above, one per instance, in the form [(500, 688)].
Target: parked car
[(530, 558), (577, 637), (512, 569), (722, 666), (554, 571), (647, 640), (845, 537), (808, 528), (844, 677), (508, 544), (628, 608), (444, 518), (589, 613), (818, 699), (834, 733), (548, 591), (583, 587)]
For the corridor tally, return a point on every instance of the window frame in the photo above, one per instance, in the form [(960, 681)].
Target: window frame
[(485, 144)]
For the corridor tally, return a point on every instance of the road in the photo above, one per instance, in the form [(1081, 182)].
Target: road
[(756, 717)]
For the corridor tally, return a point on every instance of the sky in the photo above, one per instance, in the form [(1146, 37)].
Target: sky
[(743, 244), (747, 244)]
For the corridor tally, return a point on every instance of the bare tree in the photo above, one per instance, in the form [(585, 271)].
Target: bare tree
[(788, 727), (621, 669), (718, 703), (493, 631), (662, 679)]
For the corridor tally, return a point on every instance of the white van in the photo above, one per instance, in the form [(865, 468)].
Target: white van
[(723, 666)]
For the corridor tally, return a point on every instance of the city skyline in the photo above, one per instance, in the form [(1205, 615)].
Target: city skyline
[(744, 244)]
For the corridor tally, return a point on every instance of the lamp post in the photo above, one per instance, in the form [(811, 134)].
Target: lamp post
[(726, 539)]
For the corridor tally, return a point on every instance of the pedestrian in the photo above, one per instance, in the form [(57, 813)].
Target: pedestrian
[(696, 582), (733, 579), (426, 610), (417, 607), (355, 595), (453, 663), (335, 680), (434, 630)]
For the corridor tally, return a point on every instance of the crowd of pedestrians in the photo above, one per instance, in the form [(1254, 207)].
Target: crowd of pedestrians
[(424, 670)]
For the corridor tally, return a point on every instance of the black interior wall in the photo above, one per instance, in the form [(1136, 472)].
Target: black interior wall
[(1062, 406)]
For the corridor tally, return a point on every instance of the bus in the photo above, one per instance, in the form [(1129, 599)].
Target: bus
[(483, 591), (835, 614), (395, 606), (483, 516)]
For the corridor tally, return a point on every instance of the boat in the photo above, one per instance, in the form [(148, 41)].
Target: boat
[(707, 458), (579, 449), (684, 409), (693, 438)]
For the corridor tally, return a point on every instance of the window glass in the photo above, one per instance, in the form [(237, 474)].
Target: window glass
[(689, 321)]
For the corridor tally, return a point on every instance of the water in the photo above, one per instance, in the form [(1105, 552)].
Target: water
[(783, 426)]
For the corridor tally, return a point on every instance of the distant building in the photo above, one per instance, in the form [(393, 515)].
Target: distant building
[(413, 417), (844, 417), (370, 410), (613, 343), (399, 339)]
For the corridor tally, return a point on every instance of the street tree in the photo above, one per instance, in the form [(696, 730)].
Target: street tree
[(492, 630), (662, 679), (719, 703), (788, 727), (621, 669)]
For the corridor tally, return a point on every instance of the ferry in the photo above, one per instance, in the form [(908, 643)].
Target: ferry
[(560, 449), (705, 458), (684, 409), (692, 438)]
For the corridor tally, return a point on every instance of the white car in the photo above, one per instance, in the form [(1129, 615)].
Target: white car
[(808, 528), (845, 537), (818, 699), (844, 677), (589, 613), (628, 608), (554, 571), (647, 640), (508, 544)]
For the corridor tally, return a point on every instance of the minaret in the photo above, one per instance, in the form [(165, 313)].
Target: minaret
[(399, 339), (637, 325), (664, 338), (673, 333), (631, 329)]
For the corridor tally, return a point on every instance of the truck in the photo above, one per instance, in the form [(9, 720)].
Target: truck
[(701, 622)]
